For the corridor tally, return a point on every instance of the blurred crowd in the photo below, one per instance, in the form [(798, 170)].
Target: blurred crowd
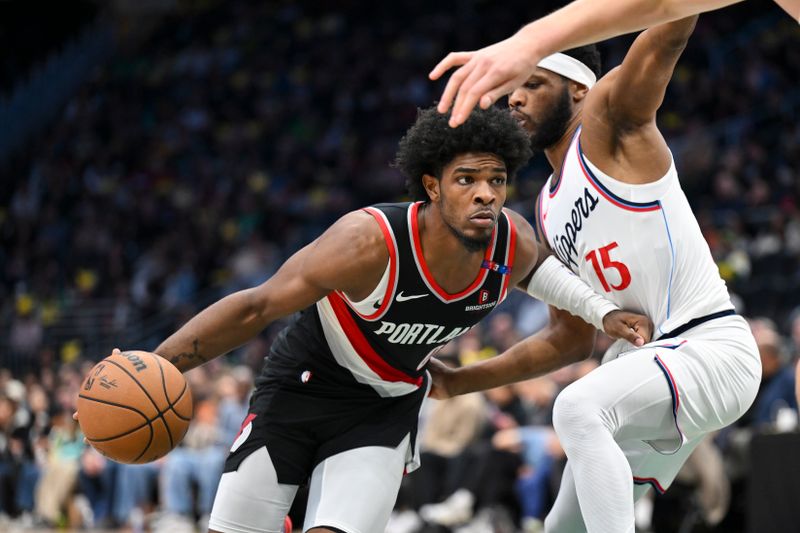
[(232, 133)]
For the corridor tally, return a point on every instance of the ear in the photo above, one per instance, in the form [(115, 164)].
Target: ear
[(431, 185), (577, 91)]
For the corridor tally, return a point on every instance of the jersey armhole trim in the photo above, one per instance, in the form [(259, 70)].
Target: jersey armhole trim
[(391, 286), (605, 192), (511, 249)]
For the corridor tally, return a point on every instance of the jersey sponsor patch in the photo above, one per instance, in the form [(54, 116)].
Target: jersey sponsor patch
[(481, 307)]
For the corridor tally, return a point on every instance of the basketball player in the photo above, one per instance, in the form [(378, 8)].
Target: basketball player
[(379, 292), (614, 212), (493, 71)]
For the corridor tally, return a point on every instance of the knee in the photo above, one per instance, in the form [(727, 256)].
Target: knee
[(576, 413)]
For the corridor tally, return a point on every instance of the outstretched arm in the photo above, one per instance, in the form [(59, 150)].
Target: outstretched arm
[(631, 94), (619, 132), (308, 276), (565, 340), (491, 72)]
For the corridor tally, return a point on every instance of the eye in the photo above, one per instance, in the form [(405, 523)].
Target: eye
[(464, 180), (532, 85), (499, 180)]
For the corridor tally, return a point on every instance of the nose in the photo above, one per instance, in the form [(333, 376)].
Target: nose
[(517, 98), (484, 193)]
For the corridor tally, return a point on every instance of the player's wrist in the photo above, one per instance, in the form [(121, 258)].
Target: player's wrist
[(605, 313), (530, 38)]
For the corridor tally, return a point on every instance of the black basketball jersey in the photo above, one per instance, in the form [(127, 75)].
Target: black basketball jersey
[(384, 341)]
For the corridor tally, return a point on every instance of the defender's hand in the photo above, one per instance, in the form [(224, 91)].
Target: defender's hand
[(636, 329), (441, 374), (484, 75)]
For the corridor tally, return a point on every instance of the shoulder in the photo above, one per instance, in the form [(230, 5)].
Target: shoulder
[(352, 252), (526, 248), (357, 234), (521, 225)]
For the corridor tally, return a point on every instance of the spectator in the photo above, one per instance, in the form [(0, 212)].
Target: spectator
[(60, 472), (777, 390)]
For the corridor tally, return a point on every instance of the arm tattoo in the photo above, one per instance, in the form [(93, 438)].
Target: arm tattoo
[(189, 359)]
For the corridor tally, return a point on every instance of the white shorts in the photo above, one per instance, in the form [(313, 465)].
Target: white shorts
[(713, 374), (354, 491)]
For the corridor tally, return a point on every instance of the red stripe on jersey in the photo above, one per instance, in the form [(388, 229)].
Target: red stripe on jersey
[(651, 481), (558, 185), (362, 346), (542, 216), (390, 287), (560, 178), (250, 418), (512, 248), (479, 280)]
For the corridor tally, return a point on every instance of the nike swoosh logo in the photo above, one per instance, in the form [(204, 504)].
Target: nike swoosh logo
[(401, 298)]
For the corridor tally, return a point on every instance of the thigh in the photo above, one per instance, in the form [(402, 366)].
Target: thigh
[(355, 491), (633, 397), (250, 499)]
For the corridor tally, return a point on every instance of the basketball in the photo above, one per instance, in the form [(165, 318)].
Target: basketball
[(134, 407)]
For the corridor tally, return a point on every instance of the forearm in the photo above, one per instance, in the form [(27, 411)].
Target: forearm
[(535, 356), (216, 330), (588, 21), (673, 36), (554, 284)]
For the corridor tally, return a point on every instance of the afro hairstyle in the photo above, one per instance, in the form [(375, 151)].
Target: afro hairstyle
[(430, 144)]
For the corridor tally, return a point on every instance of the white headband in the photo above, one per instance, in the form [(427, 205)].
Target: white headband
[(569, 67)]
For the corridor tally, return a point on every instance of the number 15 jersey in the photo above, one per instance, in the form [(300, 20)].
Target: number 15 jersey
[(638, 245)]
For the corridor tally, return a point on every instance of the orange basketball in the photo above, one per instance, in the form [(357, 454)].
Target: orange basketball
[(134, 407)]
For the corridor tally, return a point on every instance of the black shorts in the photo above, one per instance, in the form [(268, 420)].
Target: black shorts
[(302, 424)]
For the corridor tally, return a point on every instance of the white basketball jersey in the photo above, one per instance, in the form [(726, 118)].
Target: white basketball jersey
[(638, 245)]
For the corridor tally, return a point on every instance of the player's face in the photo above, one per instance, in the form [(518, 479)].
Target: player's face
[(543, 106), (471, 193)]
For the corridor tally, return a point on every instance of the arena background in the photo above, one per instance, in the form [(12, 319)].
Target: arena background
[(155, 155)]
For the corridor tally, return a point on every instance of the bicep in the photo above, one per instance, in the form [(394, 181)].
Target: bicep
[(321, 268), (633, 92), (295, 286)]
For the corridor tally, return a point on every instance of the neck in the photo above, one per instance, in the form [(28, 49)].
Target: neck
[(439, 245), (555, 153)]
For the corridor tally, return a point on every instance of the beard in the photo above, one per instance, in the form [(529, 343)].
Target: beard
[(471, 244), (554, 124)]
